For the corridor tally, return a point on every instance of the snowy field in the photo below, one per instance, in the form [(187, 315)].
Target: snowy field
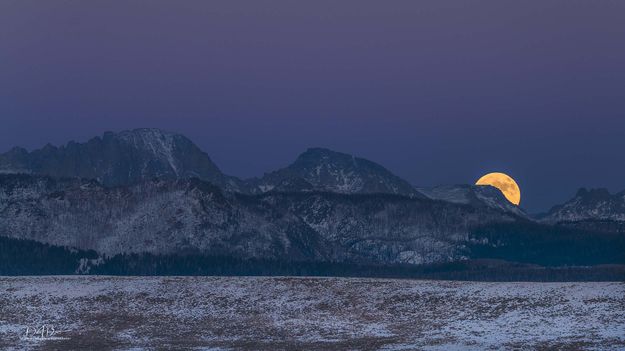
[(249, 313)]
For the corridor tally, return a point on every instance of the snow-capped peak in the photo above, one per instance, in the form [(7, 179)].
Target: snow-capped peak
[(590, 204), (327, 170)]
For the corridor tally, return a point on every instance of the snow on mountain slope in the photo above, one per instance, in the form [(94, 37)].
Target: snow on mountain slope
[(182, 215), (475, 195), (130, 157), (327, 170), (593, 204), (121, 158), (161, 144)]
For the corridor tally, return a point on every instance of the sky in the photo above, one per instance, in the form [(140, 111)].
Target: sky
[(439, 92)]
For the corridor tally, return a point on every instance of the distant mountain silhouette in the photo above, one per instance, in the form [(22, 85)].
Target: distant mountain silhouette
[(121, 158), (327, 170), (595, 209)]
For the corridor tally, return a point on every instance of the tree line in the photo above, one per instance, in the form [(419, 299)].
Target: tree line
[(26, 257)]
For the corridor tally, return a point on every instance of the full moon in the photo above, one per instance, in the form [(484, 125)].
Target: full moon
[(505, 184)]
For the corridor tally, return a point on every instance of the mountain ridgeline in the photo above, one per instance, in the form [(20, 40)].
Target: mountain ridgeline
[(594, 208), (118, 159), (190, 215), (149, 192), (326, 170), (130, 157)]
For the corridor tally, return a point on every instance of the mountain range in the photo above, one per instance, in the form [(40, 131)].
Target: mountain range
[(131, 157), (121, 158), (150, 191)]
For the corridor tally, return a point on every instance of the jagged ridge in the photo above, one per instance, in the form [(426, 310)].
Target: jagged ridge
[(174, 216), (124, 158), (593, 204)]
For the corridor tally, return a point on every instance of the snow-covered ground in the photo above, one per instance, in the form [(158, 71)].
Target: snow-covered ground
[(260, 313)]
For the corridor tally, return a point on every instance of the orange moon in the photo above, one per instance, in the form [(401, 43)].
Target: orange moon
[(505, 184)]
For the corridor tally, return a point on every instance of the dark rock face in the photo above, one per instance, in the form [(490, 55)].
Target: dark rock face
[(588, 206), (475, 195), (326, 170), (121, 158), (191, 215)]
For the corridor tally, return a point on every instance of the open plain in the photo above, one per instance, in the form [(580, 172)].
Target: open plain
[(287, 313)]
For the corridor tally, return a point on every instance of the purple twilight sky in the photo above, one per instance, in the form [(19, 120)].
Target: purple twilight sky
[(437, 91)]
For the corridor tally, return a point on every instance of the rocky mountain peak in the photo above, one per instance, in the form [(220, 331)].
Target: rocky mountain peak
[(327, 170), (121, 158), (592, 195), (589, 204), (160, 144), (319, 154), (143, 135)]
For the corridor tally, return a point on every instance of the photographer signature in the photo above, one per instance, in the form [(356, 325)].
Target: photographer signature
[(44, 332)]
